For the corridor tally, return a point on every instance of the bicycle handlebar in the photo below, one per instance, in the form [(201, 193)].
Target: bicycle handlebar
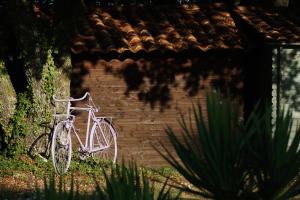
[(71, 98)]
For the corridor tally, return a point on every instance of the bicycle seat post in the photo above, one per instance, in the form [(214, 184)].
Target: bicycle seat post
[(68, 109)]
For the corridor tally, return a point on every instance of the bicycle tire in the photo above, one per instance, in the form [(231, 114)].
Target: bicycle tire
[(100, 130), (40, 147), (61, 149)]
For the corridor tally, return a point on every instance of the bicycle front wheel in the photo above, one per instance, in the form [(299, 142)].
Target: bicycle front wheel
[(103, 137), (61, 149)]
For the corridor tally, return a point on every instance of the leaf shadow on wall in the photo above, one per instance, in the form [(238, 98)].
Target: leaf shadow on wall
[(154, 79)]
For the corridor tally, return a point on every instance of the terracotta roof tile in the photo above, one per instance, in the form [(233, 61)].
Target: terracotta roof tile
[(273, 25), (139, 28)]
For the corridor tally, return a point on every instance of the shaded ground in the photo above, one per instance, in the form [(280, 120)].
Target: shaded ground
[(20, 177)]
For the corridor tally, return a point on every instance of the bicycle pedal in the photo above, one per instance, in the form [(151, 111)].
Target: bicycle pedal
[(83, 156)]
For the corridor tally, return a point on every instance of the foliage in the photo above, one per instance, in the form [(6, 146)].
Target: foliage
[(7, 101), (228, 158), (127, 183), (87, 166), (3, 71), (275, 155), (31, 104), (212, 155), (122, 183), (50, 190), (43, 91), (28, 42), (19, 126), (19, 164), (48, 76), (6, 164)]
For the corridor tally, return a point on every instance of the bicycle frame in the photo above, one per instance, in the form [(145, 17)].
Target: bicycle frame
[(91, 109)]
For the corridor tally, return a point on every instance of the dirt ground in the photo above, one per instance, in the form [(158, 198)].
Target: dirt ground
[(20, 177)]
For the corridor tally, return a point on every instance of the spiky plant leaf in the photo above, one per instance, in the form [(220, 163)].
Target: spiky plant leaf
[(127, 183), (211, 155), (276, 155), (58, 191)]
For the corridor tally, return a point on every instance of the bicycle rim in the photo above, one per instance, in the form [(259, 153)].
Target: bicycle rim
[(103, 135), (61, 149), (40, 147)]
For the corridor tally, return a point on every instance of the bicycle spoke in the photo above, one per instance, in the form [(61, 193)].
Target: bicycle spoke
[(98, 139), (40, 148), (61, 148), (103, 135)]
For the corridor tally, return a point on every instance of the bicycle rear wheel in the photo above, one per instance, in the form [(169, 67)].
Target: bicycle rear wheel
[(41, 147), (103, 136), (61, 149)]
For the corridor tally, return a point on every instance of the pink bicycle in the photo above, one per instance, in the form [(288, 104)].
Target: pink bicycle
[(100, 140)]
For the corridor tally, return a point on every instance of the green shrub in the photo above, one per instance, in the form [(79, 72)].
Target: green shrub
[(19, 126), (128, 184), (212, 154), (275, 155), (225, 157), (33, 110)]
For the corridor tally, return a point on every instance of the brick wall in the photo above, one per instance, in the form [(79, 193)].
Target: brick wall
[(145, 95)]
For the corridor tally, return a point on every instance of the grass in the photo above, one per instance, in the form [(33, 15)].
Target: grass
[(40, 168), (20, 176), (9, 167)]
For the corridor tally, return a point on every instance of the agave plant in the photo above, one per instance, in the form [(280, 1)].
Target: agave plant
[(275, 155), (228, 158), (122, 183), (211, 152), (126, 183), (52, 191)]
